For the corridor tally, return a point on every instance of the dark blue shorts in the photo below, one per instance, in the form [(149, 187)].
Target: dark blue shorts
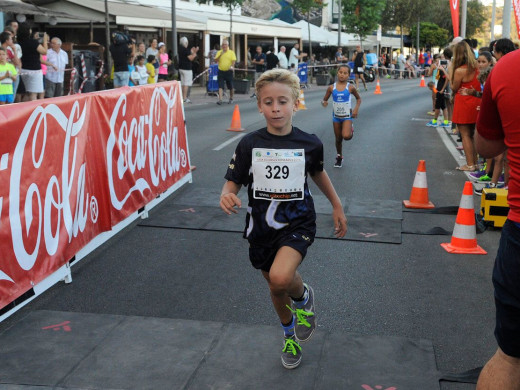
[(301, 238), (506, 280), (225, 78)]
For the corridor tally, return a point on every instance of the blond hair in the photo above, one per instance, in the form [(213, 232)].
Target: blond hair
[(463, 55), (281, 76)]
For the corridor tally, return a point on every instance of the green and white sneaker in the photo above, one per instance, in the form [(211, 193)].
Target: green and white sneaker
[(291, 353), (305, 317)]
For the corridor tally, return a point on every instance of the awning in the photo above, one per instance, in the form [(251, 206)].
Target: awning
[(17, 7), (323, 36)]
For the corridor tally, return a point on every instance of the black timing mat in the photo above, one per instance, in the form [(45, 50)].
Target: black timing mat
[(98, 351), (213, 218)]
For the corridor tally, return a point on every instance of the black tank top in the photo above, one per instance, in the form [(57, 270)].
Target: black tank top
[(358, 61)]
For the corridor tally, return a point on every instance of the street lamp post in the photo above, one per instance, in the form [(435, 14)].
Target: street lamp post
[(174, 31)]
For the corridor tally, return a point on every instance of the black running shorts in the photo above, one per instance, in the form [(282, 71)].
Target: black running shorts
[(506, 280), (301, 238)]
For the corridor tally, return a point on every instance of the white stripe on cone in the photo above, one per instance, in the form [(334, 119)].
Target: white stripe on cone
[(465, 232), (420, 180), (466, 202)]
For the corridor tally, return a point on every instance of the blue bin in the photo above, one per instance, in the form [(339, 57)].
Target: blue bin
[(351, 64), (302, 73), (213, 78)]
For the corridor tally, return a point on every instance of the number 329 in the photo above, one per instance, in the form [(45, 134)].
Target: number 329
[(277, 172)]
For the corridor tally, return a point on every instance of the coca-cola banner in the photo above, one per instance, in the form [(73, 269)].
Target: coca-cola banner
[(516, 8), (73, 167), (454, 7)]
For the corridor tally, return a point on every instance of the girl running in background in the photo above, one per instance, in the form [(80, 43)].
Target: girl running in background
[(342, 112)]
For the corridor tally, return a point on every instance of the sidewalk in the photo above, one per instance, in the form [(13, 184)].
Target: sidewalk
[(199, 95)]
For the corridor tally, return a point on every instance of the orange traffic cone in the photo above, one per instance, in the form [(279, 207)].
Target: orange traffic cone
[(378, 89), (301, 101), (419, 194), (235, 121), (423, 83), (464, 237)]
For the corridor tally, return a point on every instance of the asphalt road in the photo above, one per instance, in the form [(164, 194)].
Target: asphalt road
[(414, 289)]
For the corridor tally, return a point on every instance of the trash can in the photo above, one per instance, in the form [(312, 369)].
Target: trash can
[(212, 86)]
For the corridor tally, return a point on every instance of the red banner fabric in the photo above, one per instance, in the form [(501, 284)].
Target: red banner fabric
[(516, 8), (73, 167), (454, 7)]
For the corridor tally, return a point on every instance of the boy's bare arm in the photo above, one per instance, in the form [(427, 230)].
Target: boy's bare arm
[(229, 198), (323, 182)]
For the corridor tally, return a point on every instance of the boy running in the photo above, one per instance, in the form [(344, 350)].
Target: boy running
[(342, 113), (273, 163)]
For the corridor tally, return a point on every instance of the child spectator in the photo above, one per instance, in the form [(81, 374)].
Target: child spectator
[(440, 101), (281, 221), (8, 75), (140, 68), (150, 68)]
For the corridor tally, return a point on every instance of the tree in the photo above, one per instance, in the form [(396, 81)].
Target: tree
[(430, 34), (231, 5), (305, 7), (439, 13), (361, 17)]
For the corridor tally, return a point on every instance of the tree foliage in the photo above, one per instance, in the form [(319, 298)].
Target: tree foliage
[(230, 5), (361, 17), (430, 35), (305, 7)]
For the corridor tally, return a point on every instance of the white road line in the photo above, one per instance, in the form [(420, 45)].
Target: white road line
[(445, 137), (229, 141)]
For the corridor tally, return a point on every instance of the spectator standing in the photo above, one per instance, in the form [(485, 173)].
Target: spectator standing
[(150, 68), (7, 42), (340, 58), (271, 59), (295, 56), (497, 126), (186, 57), (8, 75), (57, 61), (212, 53), (152, 50), (15, 52), (226, 59), (259, 62), (359, 58), (121, 50), (31, 66), (164, 62), (140, 68), (141, 50), (282, 58), (464, 74)]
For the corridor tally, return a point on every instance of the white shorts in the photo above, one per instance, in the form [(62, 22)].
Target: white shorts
[(33, 80), (186, 77)]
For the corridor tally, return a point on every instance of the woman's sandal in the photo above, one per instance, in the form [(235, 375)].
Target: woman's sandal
[(467, 168)]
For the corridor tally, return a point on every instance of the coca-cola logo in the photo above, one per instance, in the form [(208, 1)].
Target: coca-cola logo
[(43, 202), (148, 143)]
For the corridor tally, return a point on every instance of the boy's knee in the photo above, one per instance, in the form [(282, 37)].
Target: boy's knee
[(279, 284)]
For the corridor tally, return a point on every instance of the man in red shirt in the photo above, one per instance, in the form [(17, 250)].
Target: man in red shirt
[(498, 128)]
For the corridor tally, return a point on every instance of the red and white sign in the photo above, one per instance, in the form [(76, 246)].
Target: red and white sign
[(73, 167), (454, 7), (516, 8)]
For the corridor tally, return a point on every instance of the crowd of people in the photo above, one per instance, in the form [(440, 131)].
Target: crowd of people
[(31, 66)]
